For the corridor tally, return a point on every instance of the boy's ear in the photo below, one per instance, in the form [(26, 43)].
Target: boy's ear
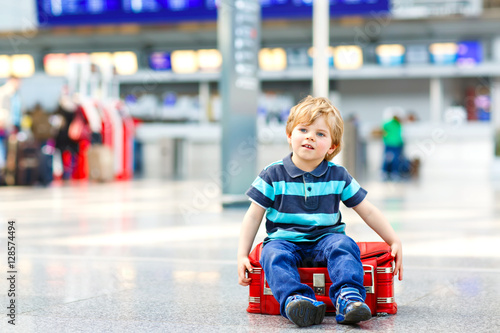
[(332, 149), (289, 138)]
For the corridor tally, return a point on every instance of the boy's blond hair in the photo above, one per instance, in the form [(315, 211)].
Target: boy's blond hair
[(311, 108)]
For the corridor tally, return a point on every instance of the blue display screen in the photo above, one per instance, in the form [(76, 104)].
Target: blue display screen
[(160, 61), (78, 12), (469, 53)]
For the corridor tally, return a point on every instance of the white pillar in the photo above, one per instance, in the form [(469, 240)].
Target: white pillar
[(436, 99), (204, 96), (495, 122), (321, 36), (495, 49), (495, 102)]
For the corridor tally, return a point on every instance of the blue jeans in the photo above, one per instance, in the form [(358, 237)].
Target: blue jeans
[(392, 160), (338, 252)]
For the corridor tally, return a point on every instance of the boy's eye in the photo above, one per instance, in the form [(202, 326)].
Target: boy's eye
[(321, 134), (303, 130)]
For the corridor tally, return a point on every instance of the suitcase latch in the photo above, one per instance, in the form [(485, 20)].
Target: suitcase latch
[(319, 284), (266, 289)]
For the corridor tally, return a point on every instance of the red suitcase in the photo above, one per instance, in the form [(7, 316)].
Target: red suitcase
[(378, 281)]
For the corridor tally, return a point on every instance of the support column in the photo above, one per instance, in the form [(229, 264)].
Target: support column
[(238, 27), (321, 39), (204, 90), (436, 100), (495, 122), (495, 111)]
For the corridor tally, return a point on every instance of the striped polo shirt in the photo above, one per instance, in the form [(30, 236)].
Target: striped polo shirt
[(304, 206)]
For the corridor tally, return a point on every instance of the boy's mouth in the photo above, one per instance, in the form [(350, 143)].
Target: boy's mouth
[(308, 146)]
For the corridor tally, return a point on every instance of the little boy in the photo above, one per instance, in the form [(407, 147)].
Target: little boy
[(300, 196)]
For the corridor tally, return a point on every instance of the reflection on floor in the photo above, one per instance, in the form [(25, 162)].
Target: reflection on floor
[(159, 256)]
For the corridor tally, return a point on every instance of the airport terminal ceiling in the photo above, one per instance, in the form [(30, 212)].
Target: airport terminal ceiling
[(371, 29)]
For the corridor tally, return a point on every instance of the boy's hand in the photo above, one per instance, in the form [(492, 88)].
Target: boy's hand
[(249, 228), (397, 253), (243, 266)]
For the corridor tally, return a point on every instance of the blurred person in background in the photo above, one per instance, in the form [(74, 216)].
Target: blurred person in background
[(10, 113), (68, 148), (392, 135)]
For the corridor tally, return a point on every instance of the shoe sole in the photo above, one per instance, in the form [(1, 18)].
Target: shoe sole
[(357, 314), (304, 313)]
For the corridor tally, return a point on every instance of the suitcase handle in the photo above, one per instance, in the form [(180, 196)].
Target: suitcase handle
[(370, 289)]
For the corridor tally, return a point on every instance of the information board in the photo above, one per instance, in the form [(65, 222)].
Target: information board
[(238, 31), (81, 12)]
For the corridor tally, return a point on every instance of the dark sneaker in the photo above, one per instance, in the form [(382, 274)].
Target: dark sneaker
[(351, 308), (304, 311)]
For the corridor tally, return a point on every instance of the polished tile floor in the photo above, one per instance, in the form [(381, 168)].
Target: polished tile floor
[(159, 256)]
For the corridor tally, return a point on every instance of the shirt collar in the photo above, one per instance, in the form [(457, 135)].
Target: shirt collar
[(294, 171)]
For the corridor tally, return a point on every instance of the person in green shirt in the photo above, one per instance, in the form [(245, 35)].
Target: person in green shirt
[(393, 148)]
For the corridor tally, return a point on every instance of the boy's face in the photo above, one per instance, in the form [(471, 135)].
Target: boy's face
[(310, 144)]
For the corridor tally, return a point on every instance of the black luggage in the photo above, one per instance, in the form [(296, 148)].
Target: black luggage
[(11, 162), (28, 162)]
